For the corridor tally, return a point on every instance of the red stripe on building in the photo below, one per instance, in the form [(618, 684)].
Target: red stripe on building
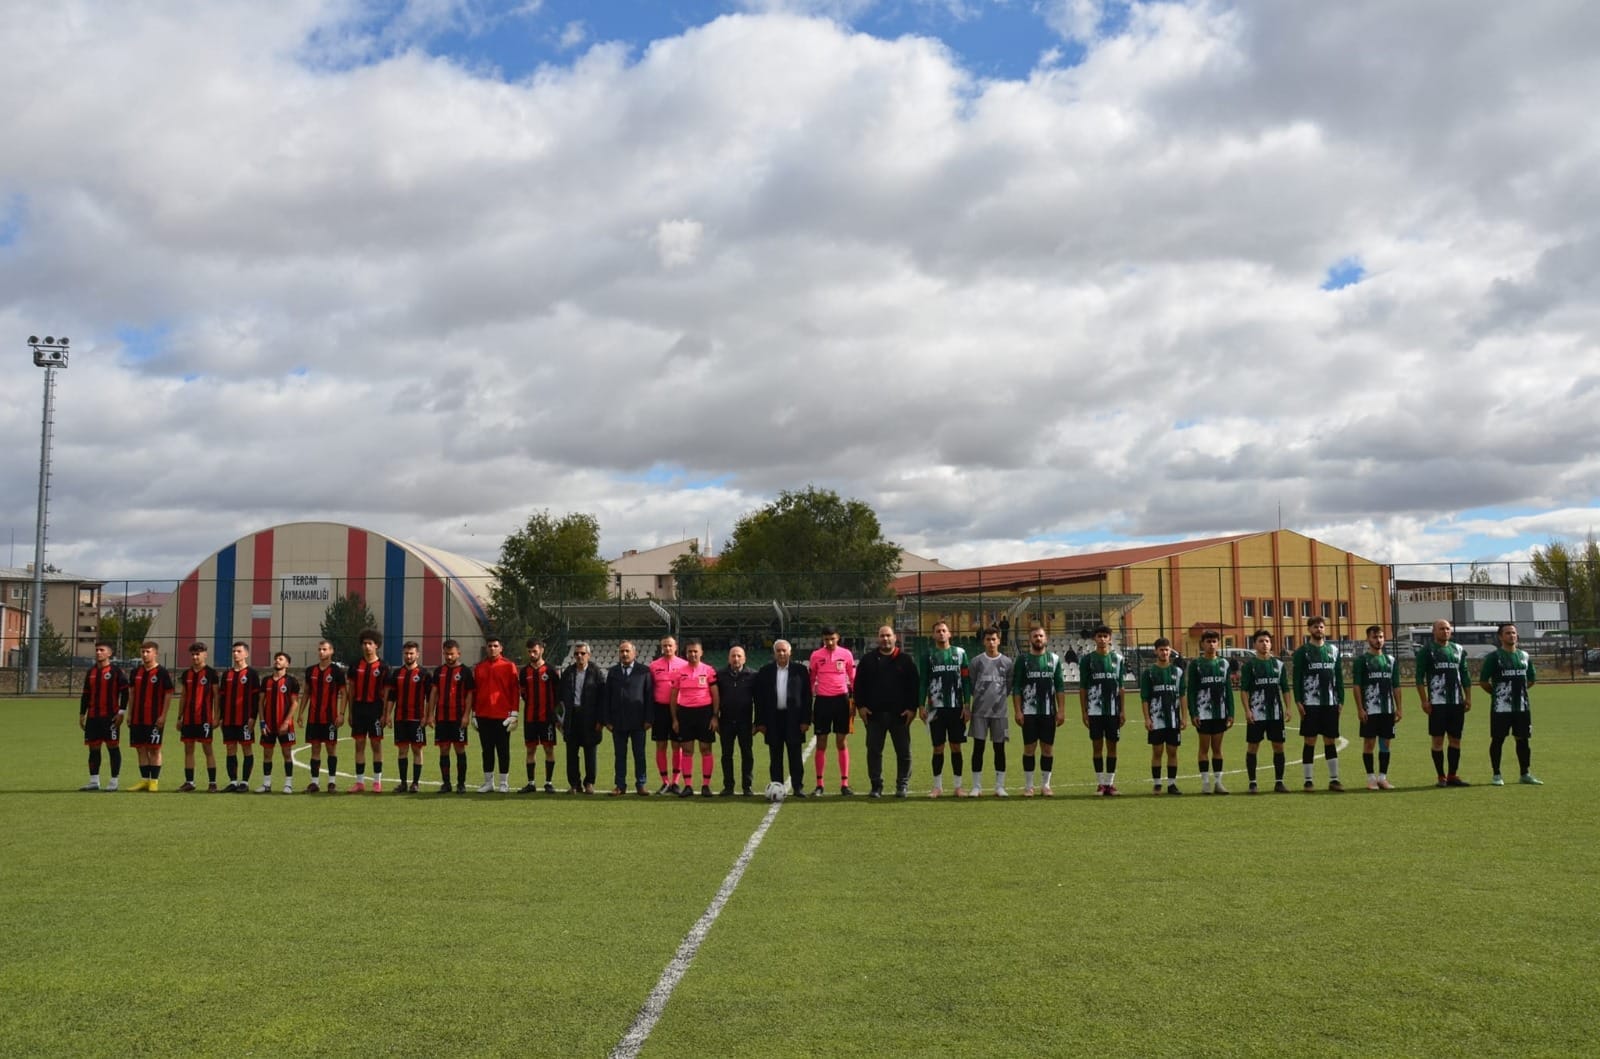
[(355, 565), (432, 618), (261, 595), (188, 615)]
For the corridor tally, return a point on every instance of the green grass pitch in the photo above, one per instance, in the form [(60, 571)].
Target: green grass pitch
[(1418, 922)]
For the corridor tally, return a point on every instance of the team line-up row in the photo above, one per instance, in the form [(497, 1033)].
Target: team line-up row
[(683, 705)]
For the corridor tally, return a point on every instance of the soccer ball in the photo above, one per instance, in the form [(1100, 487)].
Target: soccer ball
[(776, 791)]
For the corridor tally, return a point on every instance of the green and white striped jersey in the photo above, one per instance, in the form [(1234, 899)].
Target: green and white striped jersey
[(1037, 678), (1374, 675), (1210, 692), (1442, 670), (1510, 674)]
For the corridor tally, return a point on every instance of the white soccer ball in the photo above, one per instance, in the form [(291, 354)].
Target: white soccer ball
[(776, 792)]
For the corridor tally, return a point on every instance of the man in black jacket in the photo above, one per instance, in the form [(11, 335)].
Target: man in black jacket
[(630, 694), (736, 719), (582, 693), (783, 713), (888, 689)]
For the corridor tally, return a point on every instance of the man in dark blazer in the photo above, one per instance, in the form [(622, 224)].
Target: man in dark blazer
[(629, 697), (583, 689), (783, 712), (736, 685), (888, 692)]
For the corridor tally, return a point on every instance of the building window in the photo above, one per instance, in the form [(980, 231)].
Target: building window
[(1305, 608), (1249, 608), (1288, 643), (1344, 609), (1266, 608), (1327, 610)]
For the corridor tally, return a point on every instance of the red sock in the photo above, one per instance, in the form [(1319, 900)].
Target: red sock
[(705, 770), (661, 762), (844, 766)]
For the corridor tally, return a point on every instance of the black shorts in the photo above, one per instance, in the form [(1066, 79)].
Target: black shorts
[(1107, 728), (99, 730), (1211, 727), (195, 733), (1519, 725), (1378, 726), (410, 733), (946, 726), (322, 733), (366, 719), (1320, 720), (449, 733), (661, 724), (1039, 728), (144, 735), (1164, 737), (694, 725), (280, 739), (537, 733), (237, 733), (1264, 732), (831, 715), (1447, 720)]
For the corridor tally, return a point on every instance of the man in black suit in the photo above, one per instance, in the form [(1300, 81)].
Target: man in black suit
[(783, 712), (888, 692), (629, 697), (736, 719), (582, 693)]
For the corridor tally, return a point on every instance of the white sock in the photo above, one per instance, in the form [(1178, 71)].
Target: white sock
[(938, 782), (1047, 776), (1308, 769), (1384, 776), (1111, 779), (1205, 781), (94, 781), (999, 779), (1333, 768)]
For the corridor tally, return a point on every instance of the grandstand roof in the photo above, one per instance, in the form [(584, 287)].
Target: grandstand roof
[(1065, 569)]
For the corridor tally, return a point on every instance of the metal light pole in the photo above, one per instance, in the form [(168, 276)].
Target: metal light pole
[(49, 354), (1375, 611)]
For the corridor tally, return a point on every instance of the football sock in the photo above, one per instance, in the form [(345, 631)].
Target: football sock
[(1216, 768), (249, 766), (999, 757), (938, 765), (705, 769), (549, 769), (461, 768), (416, 770), (1205, 774), (1028, 762), (377, 770), (94, 761), (266, 768), (333, 768), (844, 766), (211, 773), (1366, 760), (1524, 755), (1172, 775), (155, 772), (531, 765), (1100, 769), (1454, 756), (316, 767), (1279, 762), (115, 754), (1155, 774), (1111, 770), (661, 762), (444, 768), (1383, 760), (144, 772), (999, 779), (233, 768), (977, 755), (1308, 754), (1333, 765), (1250, 765), (1438, 762), (1047, 765), (955, 765), (821, 762), (188, 775), (361, 771)]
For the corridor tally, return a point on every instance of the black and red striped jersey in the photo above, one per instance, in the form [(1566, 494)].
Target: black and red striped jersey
[(148, 690), (105, 691), (539, 692), (321, 689), (237, 695), (408, 690), (278, 700), (199, 695), (452, 685), (368, 680)]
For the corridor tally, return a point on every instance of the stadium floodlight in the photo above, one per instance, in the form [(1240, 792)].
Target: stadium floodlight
[(49, 354)]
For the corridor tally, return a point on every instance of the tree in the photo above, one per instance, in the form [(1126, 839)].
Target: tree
[(808, 544), (126, 631), (342, 623), (1576, 572), (1479, 575), (547, 562), (54, 651)]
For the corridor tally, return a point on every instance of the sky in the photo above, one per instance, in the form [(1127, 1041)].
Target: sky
[(1030, 277)]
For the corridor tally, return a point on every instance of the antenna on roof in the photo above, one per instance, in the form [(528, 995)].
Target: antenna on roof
[(1280, 514)]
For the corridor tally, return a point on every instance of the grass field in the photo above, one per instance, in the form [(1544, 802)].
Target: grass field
[(1417, 922)]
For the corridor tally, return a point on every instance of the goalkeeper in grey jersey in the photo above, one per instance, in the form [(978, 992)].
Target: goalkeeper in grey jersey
[(991, 680)]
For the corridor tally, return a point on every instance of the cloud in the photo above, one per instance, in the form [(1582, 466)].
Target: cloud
[(773, 250)]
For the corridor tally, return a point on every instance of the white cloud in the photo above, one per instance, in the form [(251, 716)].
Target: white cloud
[(678, 241)]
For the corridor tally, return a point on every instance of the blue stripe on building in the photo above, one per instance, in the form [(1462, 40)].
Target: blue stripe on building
[(394, 601), (227, 567)]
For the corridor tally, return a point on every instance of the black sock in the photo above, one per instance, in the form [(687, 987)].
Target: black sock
[(938, 764), (416, 770), (1000, 757), (1172, 772), (188, 775), (1250, 764), (1496, 746), (333, 768), (1366, 759), (211, 774), (977, 755), (444, 769), (1308, 754), (233, 768), (1279, 759), (249, 766), (316, 767), (531, 766), (1524, 755), (955, 763), (1216, 766), (377, 766), (549, 769), (1099, 764), (1155, 773), (1454, 755), (288, 767), (361, 771), (155, 772), (266, 769), (1438, 762), (1027, 764), (94, 761), (1383, 762), (461, 769), (1205, 769), (144, 772), (1047, 762), (1111, 765), (1329, 752)]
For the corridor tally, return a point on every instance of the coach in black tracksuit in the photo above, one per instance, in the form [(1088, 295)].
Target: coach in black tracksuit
[(629, 697), (736, 721), (583, 688), (784, 719), (887, 693)]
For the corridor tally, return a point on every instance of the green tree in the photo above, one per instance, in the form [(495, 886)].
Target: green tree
[(807, 544), (1479, 575), (342, 623), (54, 651), (1576, 572), (547, 562), (126, 631)]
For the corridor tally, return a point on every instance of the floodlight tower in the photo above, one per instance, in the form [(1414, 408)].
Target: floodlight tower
[(49, 353)]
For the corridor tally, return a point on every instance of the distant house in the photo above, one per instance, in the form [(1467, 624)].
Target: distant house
[(71, 606)]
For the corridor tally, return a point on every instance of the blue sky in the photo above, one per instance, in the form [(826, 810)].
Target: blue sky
[(998, 39)]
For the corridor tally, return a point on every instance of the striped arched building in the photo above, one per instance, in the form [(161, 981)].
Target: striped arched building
[(271, 589)]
